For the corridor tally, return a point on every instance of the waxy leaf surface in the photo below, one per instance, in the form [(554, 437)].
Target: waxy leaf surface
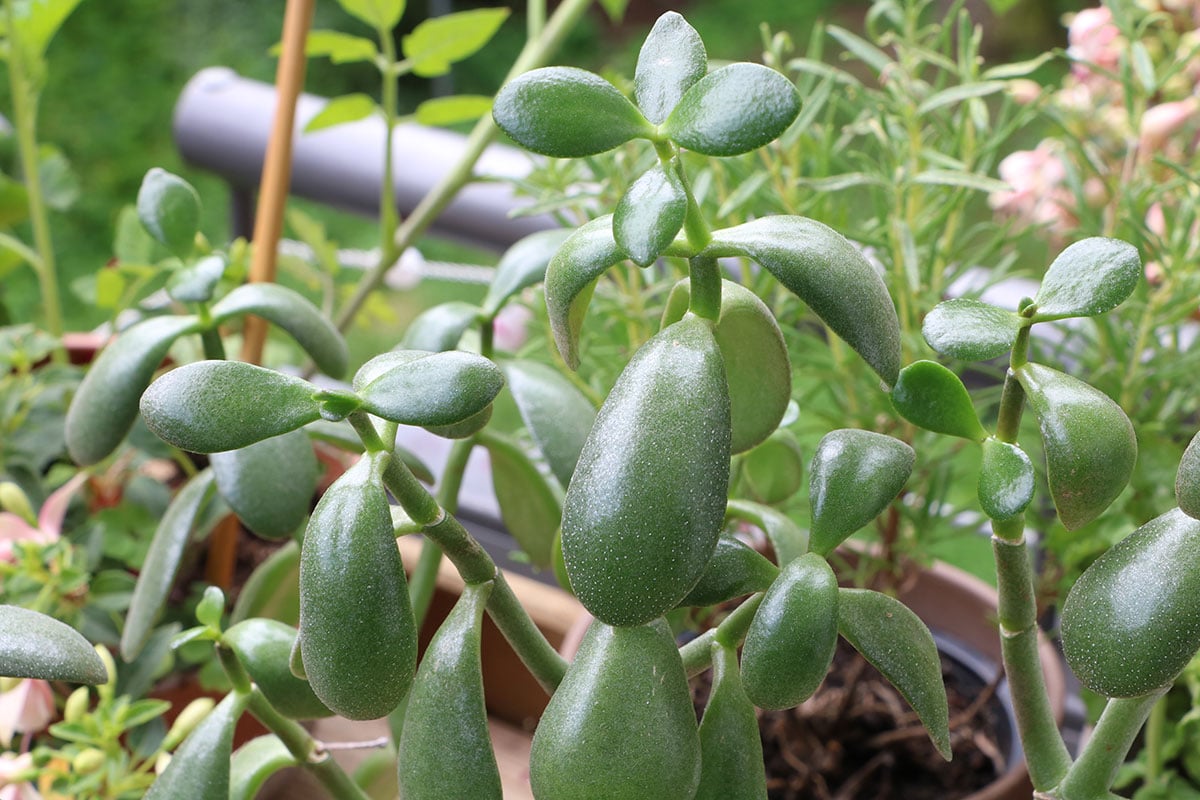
[(529, 504), (34, 645), (774, 470), (970, 330), (649, 214), (522, 265), (269, 484), (440, 328), (1088, 278), (1005, 480), (1187, 480), (735, 570), (731, 756), (254, 763), (572, 276), (294, 313), (733, 110), (671, 61), (200, 768), (932, 397), (431, 389), (264, 646), (169, 209), (788, 540), (556, 413)]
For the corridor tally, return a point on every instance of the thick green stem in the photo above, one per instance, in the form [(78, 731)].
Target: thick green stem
[(1155, 734), (214, 348), (697, 654), (534, 54), (1012, 405), (705, 284), (1092, 775), (424, 577)]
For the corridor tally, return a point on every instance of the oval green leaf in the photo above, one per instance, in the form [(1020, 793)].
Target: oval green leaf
[(464, 428), (1131, 622), (210, 406), (169, 209), (200, 767), (854, 475), (162, 562), (264, 646), (434, 389), (446, 713), (567, 113), (106, 403), (733, 110), (649, 214), (643, 512), (196, 283), (932, 397), (292, 312), (1187, 480), (440, 328), (789, 645), (1088, 278), (570, 278), (556, 413), (774, 471), (970, 330), (439, 41), (1089, 442), (671, 61), (731, 756), (735, 570), (522, 265), (620, 726), (831, 275), (897, 643), (788, 540), (529, 503), (34, 645), (270, 500), (1005, 480), (254, 763)]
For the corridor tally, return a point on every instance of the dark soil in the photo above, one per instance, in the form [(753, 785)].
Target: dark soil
[(858, 739)]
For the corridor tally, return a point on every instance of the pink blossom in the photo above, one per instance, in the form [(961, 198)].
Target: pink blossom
[(1161, 121), (1037, 192), (510, 327), (26, 708), (1094, 39), (14, 528), (1156, 221), (11, 766)]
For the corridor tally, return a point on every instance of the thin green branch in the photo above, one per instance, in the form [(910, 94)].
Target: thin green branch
[(1092, 775)]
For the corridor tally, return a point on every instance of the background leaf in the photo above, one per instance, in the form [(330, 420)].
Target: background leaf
[(347, 108), (438, 42)]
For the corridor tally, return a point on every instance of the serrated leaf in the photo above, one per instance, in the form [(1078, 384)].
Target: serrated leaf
[(254, 762), (932, 397), (427, 389), (571, 277), (650, 214), (1089, 442), (895, 641), (169, 208), (338, 47), (453, 110), (827, 272), (383, 15), (269, 484), (33, 645), (199, 769), (441, 327), (210, 406), (733, 110), (1005, 480), (970, 330), (529, 505), (522, 265), (292, 312), (438, 42), (567, 113), (556, 413), (1088, 278), (671, 61), (339, 110)]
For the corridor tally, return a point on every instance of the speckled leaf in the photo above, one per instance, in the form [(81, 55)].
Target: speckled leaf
[(269, 484), (33, 645), (1089, 442), (522, 265), (529, 503), (567, 113), (774, 471), (932, 397), (854, 475), (671, 61), (440, 328), (161, 564), (428, 389), (209, 406), (890, 636), (733, 110), (264, 646), (169, 209), (735, 570), (556, 413), (254, 762), (788, 540), (291, 311), (1088, 278), (1131, 622), (645, 507), (1005, 480), (970, 330), (571, 277), (731, 755), (196, 282), (831, 275), (1187, 480), (106, 403), (649, 214), (199, 769)]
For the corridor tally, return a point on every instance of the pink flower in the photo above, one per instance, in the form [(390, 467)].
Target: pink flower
[(14, 528), (26, 708), (10, 767), (1037, 192), (1094, 39), (510, 327), (1161, 121)]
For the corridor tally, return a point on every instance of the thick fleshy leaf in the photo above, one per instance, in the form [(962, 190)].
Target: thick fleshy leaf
[(464, 428), (774, 471), (970, 330), (854, 475), (529, 503), (522, 265), (1005, 480), (195, 283), (831, 275), (200, 769), (733, 110), (254, 762), (932, 397), (556, 413), (273, 589), (671, 61), (292, 312), (735, 570), (650, 213), (1089, 442), (571, 277), (788, 540), (162, 562), (1088, 278), (895, 641), (264, 647), (440, 328), (1187, 480), (33, 645), (269, 484), (418, 388), (169, 209), (567, 113), (210, 406), (731, 756), (106, 403)]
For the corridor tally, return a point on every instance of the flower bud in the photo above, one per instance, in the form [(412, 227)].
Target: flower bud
[(191, 716), (14, 500), (87, 761), (1161, 121), (77, 705)]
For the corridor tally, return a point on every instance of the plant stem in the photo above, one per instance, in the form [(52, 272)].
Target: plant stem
[(424, 577), (705, 286), (697, 654), (1091, 776), (534, 54), (1155, 732), (389, 217)]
